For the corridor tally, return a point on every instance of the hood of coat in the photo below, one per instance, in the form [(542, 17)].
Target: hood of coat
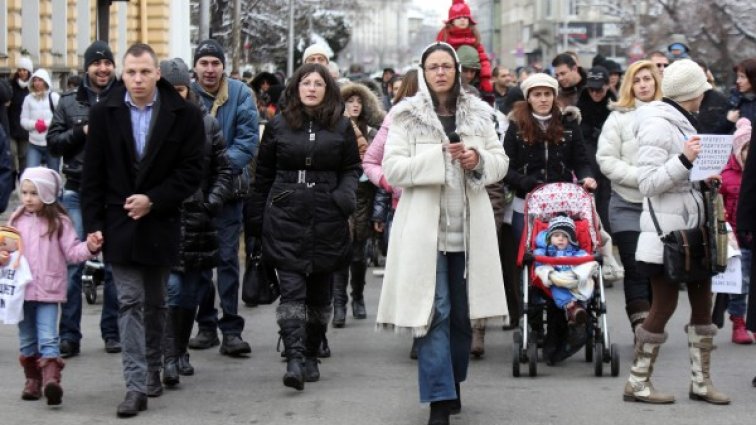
[(372, 112), (418, 114), (665, 111), (43, 75)]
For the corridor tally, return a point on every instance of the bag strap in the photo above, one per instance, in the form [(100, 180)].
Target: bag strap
[(52, 105), (653, 218)]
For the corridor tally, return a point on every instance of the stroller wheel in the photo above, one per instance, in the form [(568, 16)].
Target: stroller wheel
[(516, 354), (598, 359), (90, 292), (532, 359), (615, 359), (589, 347)]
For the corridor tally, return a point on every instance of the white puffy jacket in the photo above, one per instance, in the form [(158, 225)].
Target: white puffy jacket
[(36, 107), (617, 153)]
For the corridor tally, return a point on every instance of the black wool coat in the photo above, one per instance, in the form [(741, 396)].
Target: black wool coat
[(309, 179), (747, 218), (169, 172)]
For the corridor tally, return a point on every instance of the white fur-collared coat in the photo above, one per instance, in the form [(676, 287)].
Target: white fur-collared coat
[(414, 159)]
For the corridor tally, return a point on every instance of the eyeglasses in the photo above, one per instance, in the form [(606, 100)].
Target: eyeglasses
[(445, 68), (308, 84), (662, 65)]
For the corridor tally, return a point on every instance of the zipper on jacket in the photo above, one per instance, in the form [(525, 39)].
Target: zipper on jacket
[(546, 166)]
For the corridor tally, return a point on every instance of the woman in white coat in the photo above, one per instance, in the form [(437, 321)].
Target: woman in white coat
[(442, 270), (36, 117), (667, 148), (617, 156)]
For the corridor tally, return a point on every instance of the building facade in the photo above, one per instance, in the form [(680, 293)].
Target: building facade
[(55, 33)]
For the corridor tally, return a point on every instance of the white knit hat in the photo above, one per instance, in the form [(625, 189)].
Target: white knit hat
[(684, 80), (25, 63), (539, 80), (316, 49)]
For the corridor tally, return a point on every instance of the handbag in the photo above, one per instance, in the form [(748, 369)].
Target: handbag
[(259, 284), (686, 257)]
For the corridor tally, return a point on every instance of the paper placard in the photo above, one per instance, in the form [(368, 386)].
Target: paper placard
[(715, 151), (731, 280)]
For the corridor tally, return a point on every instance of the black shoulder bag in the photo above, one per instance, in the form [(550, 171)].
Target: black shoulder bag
[(687, 257)]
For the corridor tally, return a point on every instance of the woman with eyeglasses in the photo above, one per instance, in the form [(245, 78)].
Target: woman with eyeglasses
[(617, 157), (442, 271), (307, 169)]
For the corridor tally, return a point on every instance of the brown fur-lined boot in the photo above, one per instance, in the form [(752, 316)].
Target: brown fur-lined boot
[(639, 386), (33, 385), (51, 379), (700, 346)]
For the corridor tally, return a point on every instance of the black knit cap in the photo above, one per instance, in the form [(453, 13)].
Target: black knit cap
[(562, 224), (212, 48), (97, 51)]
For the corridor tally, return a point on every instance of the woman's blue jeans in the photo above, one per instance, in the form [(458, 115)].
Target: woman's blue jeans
[(38, 332), (443, 353), (36, 155)]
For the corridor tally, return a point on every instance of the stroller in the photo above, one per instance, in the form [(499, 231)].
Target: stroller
[(541, 205), (92, 276)]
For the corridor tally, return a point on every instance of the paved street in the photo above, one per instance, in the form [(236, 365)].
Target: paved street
[(371, 380)]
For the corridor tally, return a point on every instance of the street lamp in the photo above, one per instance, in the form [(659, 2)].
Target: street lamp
[(103, 19)]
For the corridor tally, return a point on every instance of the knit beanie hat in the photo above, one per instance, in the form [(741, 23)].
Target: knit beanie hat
[(25, 62), (97, 51), (539, 79), (48, 183), (176, 72), (684, 80), (741, 137), (562, 224), (212, 48), (10, 232), (459, 9), (468, 56), (316, 49)]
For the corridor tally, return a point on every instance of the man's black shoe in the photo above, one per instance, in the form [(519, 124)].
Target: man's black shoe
[(154, 386), (132, 404), (112, 346), (68, 348), (234, 346), (205, 339)]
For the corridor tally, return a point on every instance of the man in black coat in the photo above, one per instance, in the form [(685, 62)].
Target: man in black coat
[(746, 224), (142, 158)]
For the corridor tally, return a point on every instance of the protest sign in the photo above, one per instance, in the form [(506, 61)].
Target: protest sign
[(729, 281), (715, 151)]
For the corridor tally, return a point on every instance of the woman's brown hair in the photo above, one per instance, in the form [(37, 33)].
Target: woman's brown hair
[(530, 131), (327, 114), (53, 215), (409, 86)]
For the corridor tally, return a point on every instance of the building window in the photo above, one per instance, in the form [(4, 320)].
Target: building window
[(59, 30), (3, 24), (83, 28), (547, 8), (571, 7), (30, 29)]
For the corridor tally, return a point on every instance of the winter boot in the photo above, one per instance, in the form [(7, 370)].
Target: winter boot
[(324, 351), (170, 348), (740, 334), (185, 321), (340, 282), (51, 368), (637, 311), (33, 385), (439, 412), (291, 321), (477, 348), (700, 346), (315, 328), (639, 386), (358, 269)]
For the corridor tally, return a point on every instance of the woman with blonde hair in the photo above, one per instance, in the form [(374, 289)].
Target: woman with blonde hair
[(617, 156)]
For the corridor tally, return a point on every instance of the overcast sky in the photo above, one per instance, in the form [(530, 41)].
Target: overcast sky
[(442, 6)]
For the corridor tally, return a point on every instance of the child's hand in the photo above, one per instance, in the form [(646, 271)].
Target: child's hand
[(4, 257), (94, 241)]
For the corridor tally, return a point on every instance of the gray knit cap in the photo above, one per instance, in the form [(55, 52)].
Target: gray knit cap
[(175, 71)]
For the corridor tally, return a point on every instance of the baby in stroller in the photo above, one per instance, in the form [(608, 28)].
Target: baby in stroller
[(571, 285)]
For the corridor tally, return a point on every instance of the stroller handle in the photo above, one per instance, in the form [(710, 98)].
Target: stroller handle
[(529, 258)]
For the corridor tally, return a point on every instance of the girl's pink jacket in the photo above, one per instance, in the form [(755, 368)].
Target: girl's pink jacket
[(48, 257), (372, 163)]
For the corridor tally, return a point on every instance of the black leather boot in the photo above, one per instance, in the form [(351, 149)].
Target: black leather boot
[(439, 413), (170, 349), (340, 282), (315, 328), (358, 269), (185, 319), (291, 322)]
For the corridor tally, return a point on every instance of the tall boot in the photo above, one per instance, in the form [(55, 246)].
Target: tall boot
[(477, 348), (340, 282), (700, 346), (358, 269), (51, 368), (291, 322), (185, 319), (170, 348), (637, 311), (639, 386), (315, 328), (33, 374)]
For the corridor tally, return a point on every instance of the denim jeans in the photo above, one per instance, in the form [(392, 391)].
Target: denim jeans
[(737, 304), (38, 332), (561, 296), (443, 353), (229, 225), (184, 287), (36, 155), (70, 318)]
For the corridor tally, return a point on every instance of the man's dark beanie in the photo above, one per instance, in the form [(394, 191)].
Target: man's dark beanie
[(209, 47), (97, 51)]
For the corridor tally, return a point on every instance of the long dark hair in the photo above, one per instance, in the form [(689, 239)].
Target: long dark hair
[(748, 67), (451, 101), (327, 114), (530, 131), (408, 87)]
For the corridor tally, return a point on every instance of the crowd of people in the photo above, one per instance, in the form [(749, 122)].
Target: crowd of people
[(160, 172)]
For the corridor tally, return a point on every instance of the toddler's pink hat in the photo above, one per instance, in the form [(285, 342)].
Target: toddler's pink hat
[(48, 182), (741, 137)]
